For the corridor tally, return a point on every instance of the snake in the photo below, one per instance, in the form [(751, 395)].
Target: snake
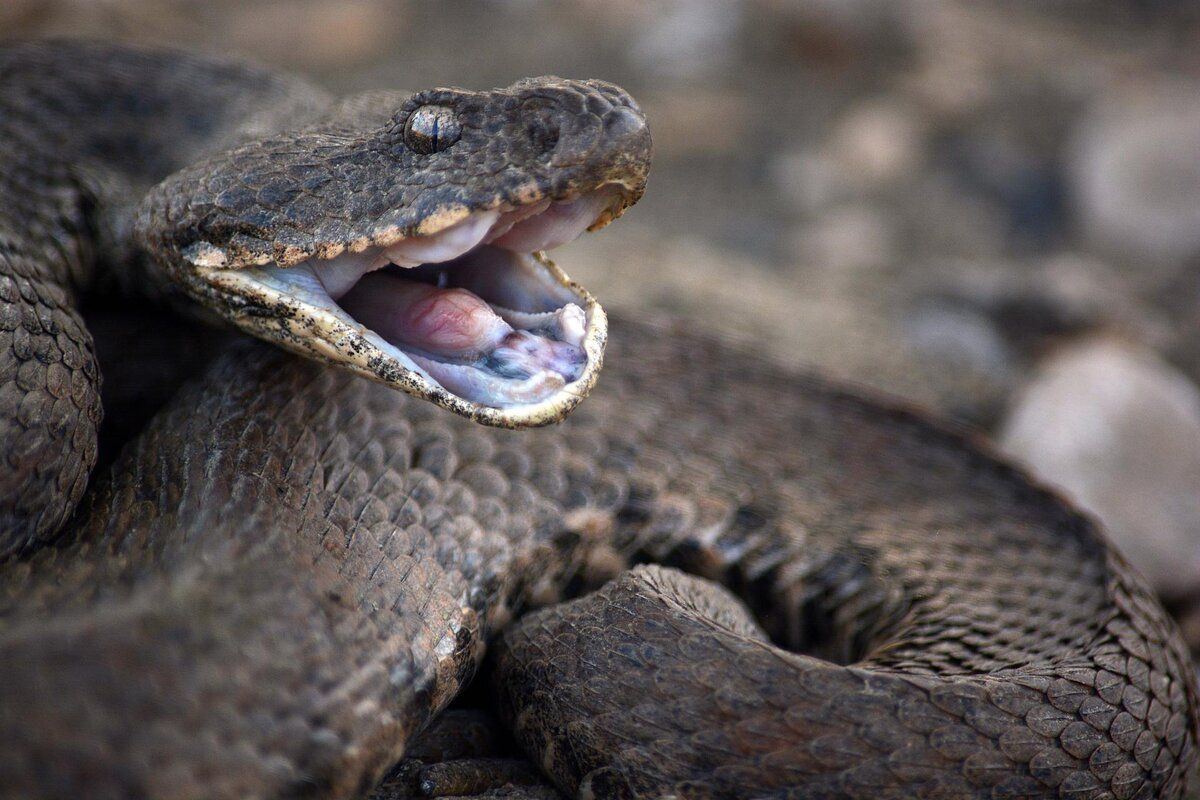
[(783, 587)]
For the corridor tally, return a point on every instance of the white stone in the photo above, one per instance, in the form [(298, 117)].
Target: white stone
[(877, 142), (1135, 177), (1118, 430)]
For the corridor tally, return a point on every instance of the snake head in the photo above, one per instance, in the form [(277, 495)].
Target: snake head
[(407, 245)]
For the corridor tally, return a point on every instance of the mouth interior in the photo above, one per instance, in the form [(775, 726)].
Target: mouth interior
[(471, 307)]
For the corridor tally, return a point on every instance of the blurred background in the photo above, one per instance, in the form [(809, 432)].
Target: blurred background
[(988, 207)]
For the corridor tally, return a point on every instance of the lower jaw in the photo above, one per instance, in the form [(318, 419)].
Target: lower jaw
[(458, 317), (487, 326), (291, 308)]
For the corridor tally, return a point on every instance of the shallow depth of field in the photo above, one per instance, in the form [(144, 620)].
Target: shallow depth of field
[(989, 207)]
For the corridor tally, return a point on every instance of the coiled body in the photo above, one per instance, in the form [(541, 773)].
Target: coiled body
[(291, 571)]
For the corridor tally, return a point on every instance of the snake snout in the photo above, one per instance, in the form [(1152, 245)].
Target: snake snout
[(590, 124)]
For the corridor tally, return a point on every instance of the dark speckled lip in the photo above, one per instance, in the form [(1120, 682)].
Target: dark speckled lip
[(278, 307)]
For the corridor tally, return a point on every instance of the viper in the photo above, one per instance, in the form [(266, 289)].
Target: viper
[(290, 571)]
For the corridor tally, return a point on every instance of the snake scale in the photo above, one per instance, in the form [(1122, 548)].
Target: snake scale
[(291, 570)]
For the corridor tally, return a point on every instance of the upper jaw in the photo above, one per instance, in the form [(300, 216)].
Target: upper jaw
[(471, 316)]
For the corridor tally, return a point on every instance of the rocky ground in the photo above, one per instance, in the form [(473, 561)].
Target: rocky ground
[(991, 207)]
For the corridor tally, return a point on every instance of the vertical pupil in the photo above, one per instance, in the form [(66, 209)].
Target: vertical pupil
[(430, 129)]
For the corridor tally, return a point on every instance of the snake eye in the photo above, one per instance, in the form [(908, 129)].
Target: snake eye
[(431, 129)]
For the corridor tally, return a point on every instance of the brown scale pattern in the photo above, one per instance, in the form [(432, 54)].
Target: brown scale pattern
[(291, 571), (291, 631), (998, 648), (303, 568), (74, 156), (49, 392)]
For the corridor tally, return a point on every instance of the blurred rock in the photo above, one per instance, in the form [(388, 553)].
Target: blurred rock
[(845, 329), (1024, 184), (1034, 304), (948, 73), (877, 142), (1094, 294), (677, 117), (1135, 175), (1184, 348), (132, 20), (688, 39), (808, 179), (307, 35), (1119, 431), (313, 33), (961, 338), (17, 13), (871, 147), (836, 34), (967, 362), (846, 241), (943, 218)]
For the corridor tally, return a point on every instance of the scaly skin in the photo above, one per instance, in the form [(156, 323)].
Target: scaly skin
[(90, 129), (76, 156), (292, 570), (267, 595)]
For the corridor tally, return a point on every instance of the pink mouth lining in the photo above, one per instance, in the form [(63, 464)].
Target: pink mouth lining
[(464, 305)]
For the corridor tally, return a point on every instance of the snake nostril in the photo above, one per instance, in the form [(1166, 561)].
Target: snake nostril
[(623, 123)]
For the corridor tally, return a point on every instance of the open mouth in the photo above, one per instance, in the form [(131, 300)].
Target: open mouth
[(473, 316)]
